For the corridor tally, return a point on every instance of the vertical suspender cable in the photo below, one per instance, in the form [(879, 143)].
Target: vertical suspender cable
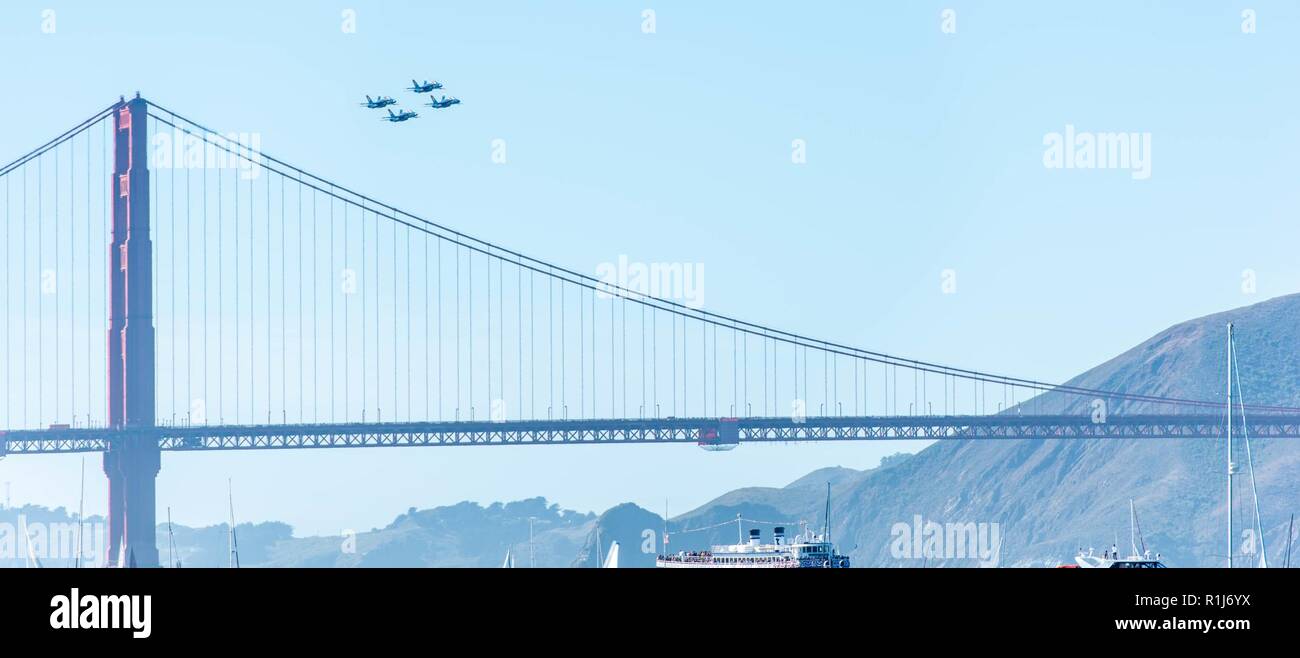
[(519, 316), (347, 320), (284, 312), (458, 318), (57, 287), (581, 354), (469, 302), (26, 249), (365, 371), (267, 289), (90, 405), (235, 176), (396, 312), (643, 363), (488, 262), (8, 422), (40, 296), (623, 306), (221, 306), (550, 346), (501, 334), (613, 382), (302, 326)]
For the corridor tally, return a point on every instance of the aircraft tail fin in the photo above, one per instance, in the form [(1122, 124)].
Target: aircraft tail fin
[(368, 99)]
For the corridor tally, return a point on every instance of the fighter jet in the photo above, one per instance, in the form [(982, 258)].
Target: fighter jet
[(424, 88), (380, 103), (445, 102), (404, 115)]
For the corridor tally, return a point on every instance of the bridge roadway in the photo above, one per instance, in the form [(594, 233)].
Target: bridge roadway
[(711, 432)]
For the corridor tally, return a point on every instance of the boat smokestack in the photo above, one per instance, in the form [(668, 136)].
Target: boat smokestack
[(754, 537), (778, 536)]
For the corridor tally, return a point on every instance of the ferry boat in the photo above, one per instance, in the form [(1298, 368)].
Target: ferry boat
[(806, 551)]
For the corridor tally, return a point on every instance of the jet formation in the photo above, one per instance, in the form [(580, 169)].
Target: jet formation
[(445, 102), (382, 102), (424, 88), (401, 115), (404, 115)]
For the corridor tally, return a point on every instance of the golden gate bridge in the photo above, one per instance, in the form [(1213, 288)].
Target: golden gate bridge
[(217, 298)]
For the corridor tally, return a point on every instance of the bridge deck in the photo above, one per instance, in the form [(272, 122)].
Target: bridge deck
[(661, 430)]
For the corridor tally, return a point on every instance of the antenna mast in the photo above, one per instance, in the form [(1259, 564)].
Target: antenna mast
[(1230, 464)]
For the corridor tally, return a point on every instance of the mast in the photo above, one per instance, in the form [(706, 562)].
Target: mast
[(81, 508), (1290, 530), (532, 553), (1132, 527), (1230, 445), (171, 542), (231, 540), (665, 526), (826, 534), (1250, 459)]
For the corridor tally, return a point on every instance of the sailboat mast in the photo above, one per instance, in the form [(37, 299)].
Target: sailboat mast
[(826, 534), (1229, 445), (232, 541), (1132, 527), (1290, 533), (532, 554), (81, 509), (171, 541), (665, 526)]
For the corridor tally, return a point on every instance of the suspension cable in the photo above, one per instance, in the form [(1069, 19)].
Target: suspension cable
[(568, 276)]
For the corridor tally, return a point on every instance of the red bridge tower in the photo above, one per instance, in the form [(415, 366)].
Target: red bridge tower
[(132, 462)]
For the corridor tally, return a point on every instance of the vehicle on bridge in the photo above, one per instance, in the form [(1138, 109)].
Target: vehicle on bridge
[(723, 436)]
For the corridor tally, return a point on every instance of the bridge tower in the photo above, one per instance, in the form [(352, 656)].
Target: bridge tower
[(131, 462)]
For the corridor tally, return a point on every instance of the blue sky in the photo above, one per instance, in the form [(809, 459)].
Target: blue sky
[(924, 155)]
